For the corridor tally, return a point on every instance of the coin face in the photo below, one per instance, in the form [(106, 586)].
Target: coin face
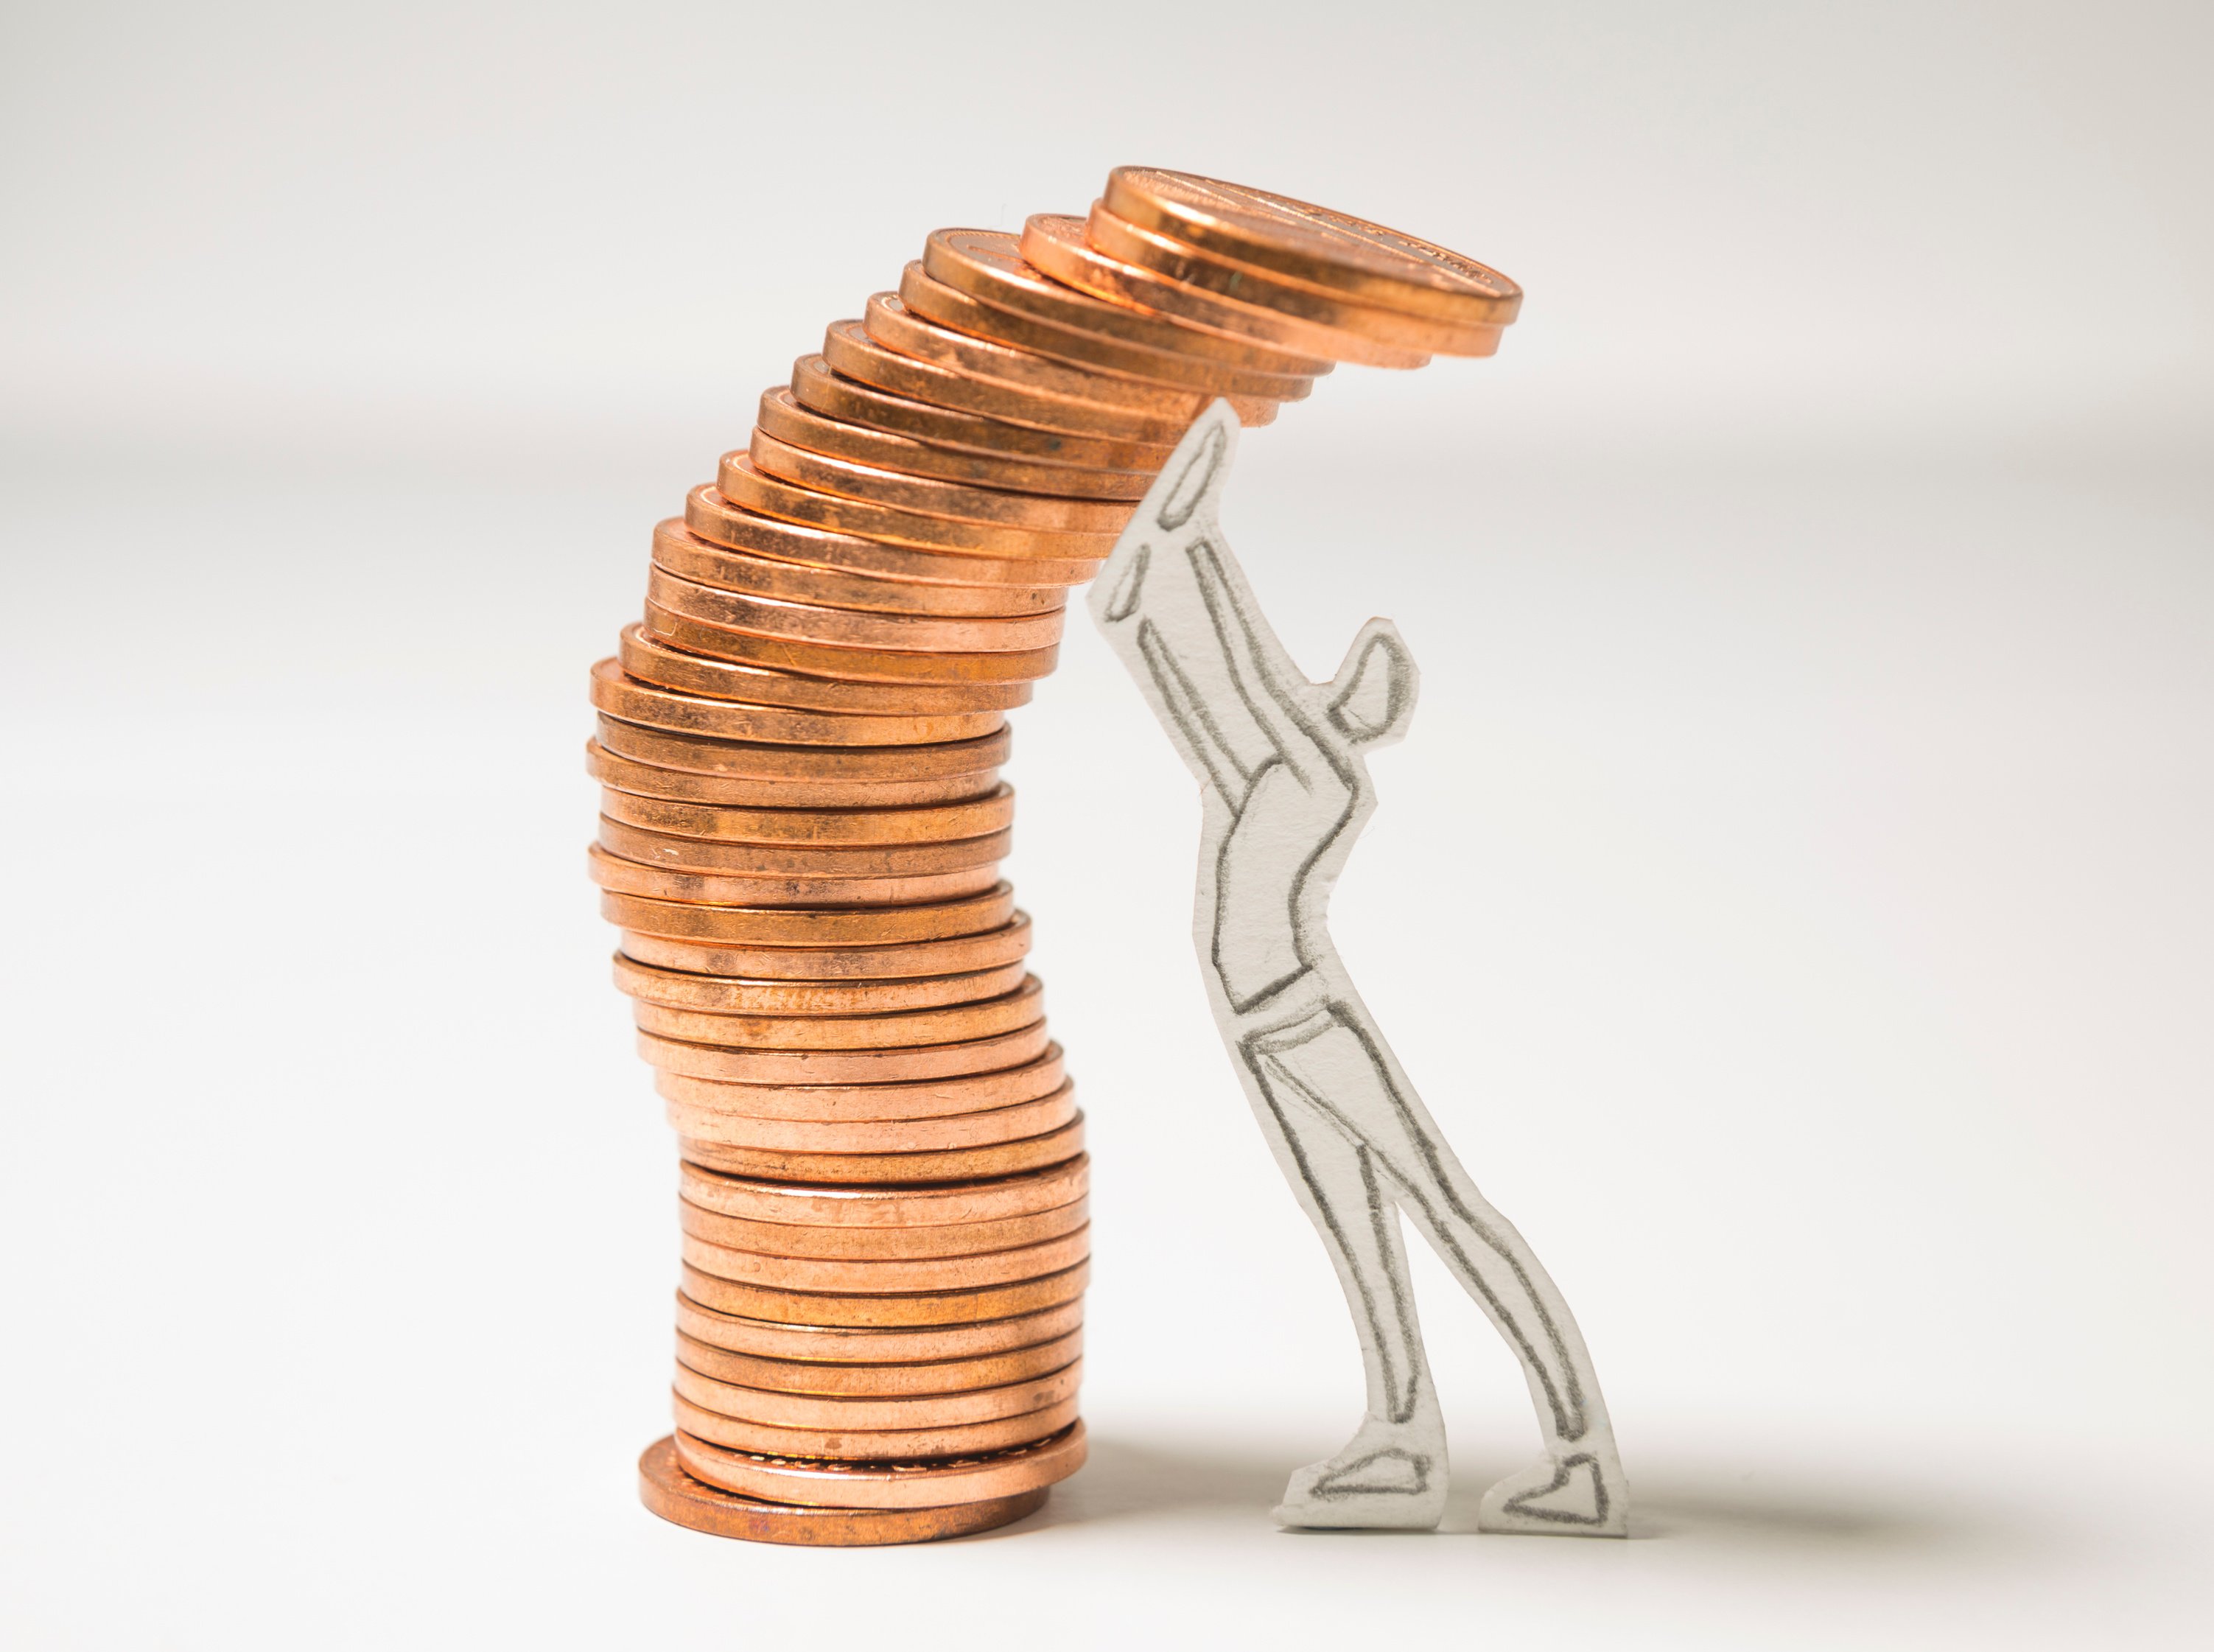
[(1314, 244), (1025, 1469), (667, 1490)]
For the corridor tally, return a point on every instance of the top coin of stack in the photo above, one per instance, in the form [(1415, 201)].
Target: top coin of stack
[(883, 1197)]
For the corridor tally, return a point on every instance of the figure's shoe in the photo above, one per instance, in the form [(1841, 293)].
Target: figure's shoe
[(1581, 1493), (1390, 1477)]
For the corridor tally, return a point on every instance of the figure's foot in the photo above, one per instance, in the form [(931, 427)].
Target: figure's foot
[(1579, 1493), (1390, 1477)]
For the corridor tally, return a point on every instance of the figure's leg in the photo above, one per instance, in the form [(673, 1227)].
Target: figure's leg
[(1343, 1071), (1392, 1473)]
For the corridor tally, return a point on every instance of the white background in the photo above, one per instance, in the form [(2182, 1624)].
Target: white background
[(1794, 898)]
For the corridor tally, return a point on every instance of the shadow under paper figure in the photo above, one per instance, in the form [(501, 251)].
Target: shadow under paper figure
[(1286, 791)]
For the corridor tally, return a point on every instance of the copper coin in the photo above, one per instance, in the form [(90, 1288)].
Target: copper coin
[(853, 670), (1024, 1471), (715, 889), (809, 927), (686, 555), (999, 1158), (797, 859), (854, 354), (667, 1490), (729, 995), (1313, 246), (888, 1275), (841, 1412), (911, 1099), (633, 701), (688, 785), (816, 388), (661, 1046), (721, 522), (847, 627), (1057, 246), (942, 1239), (827, 474), (782, 417), (954, 956), (888, 1029), (923, 1308), (653, 662), (859, 1344), (891, 324), (877, 1381), (830, 1205), (989, 264), (744, 483), (807, 765), (870, 1445), (1242, 284), (880, 1135), (950, 307), (922, 823)]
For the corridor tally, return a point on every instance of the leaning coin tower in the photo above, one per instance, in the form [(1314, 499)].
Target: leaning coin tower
[(882, 1191)]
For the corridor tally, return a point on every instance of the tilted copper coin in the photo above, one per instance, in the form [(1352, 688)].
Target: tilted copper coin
[(688, 556), (782, 417), (888, 1275), (920, 822), (785, 999), (999, 1158), (718, 520), (660, 1047), (816, 388), (796, 859), (963, 1093), (854, 354), (1314, 246), (688, 785), (1057, 246), (961, 760), (875, 1346), (888, 320), (714, 889), (667, 1490), (1023, 1471), (954, 956), (622, 696), (828, 474), (696, 1045), (920, 1308), (808, 927), (875, 1029), (950, 307), (850, 628), (880, 1135), (942, 1239), (869, 1445), (872, 1381), (779, 1410), (742, 482), (902, 675), (659, 662), (1242, 284), (989, 264), (830, 1205)]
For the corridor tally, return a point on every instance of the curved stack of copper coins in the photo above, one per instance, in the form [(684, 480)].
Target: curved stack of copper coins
[(883, 1182)]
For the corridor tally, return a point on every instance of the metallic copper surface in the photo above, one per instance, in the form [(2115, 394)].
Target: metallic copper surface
[(888, 1275), (913, 1099), (719, 521), (908, 676), (859, 1381), (667, 1490), (869, 1445), (848, 628), (731, 995), (876, 1346), (832, 1240), (925, 1308), (692, 1058), (880, 1030), (741, 481), (1000, 1159), (829, 1205), (941, 1134), (828, 473), (633, 701), (806, 765), (922, 823), (659, 662), (982, 1482), (796, 860), (954, 956), (702, 562), (688, 785), (841, 1412)]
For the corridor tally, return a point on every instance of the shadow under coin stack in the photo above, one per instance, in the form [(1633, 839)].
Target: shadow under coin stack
[(882, 1192)]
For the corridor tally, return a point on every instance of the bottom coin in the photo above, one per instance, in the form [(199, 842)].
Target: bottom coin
[(886, 1485), (665, 1489)]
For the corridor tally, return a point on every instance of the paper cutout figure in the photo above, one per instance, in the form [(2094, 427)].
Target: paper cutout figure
[(1286, 792)]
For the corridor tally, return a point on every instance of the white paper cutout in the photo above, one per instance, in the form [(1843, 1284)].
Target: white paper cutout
[(1285, 792)]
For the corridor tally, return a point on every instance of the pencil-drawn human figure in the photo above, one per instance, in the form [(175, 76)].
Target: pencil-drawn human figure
[(1286, 792)]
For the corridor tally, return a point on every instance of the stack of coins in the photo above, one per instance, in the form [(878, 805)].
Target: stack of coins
[(882, 1193)]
